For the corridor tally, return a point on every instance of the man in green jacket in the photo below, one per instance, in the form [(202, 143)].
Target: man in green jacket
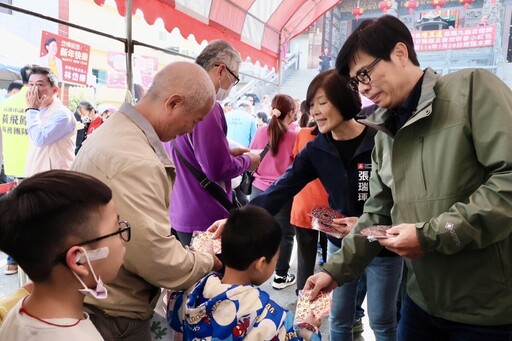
[(442, 176)]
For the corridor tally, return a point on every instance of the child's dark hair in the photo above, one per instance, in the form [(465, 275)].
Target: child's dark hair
[(249, 234), (40, 217)]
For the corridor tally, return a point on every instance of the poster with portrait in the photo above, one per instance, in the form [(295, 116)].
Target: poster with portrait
[(68, 59)]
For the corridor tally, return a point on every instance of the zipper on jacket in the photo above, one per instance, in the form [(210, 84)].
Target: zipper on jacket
[(423, 165)]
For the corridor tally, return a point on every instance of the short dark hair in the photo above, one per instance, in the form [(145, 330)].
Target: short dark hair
[(41, 214), (377, 38), (14, 85), (41, 70), (249, 234), (263, 115), (25, 73), (87, 105), (341, 97)]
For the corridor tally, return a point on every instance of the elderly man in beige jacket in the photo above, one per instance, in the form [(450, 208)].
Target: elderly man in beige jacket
[(127, 154)]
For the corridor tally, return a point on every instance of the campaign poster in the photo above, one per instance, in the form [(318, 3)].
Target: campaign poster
[(144, 69), (68, 59)]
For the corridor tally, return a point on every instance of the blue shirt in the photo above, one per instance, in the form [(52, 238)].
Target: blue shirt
[(241, 126)]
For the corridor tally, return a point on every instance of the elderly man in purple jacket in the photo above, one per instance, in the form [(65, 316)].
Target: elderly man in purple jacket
[(206, 149)]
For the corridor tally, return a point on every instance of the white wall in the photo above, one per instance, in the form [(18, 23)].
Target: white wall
[(300, 44)]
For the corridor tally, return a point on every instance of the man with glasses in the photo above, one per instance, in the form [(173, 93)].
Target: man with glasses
[(127, 155), (442, 176), (206, 150), (63, 229)]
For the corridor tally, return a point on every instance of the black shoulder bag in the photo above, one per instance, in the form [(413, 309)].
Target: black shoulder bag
[(215, 190), (248, 176)]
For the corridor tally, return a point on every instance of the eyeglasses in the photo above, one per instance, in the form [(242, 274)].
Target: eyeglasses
[(362, 76), (237, 80), (124, 231)]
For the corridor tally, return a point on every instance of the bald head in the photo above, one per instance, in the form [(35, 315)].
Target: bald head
[(184, 77), (180, 96)]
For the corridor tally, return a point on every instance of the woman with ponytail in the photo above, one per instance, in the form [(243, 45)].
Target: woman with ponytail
[(280, 139)]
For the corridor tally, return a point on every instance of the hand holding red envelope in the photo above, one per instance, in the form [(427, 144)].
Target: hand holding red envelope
[(323, 218), (376, 232)]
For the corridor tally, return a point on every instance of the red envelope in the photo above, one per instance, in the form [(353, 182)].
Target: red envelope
[(203, 241)]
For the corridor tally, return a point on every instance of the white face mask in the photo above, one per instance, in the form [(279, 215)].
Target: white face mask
[(222, 94), (100, 292)]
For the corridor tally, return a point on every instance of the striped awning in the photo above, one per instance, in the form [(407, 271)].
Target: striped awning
[(257, 28)]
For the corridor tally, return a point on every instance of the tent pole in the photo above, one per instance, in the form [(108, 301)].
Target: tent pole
[(129, 48), (279, 65)]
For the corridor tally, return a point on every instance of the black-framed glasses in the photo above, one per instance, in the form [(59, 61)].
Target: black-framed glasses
[(362, 76), (124, 232), (237, 80)]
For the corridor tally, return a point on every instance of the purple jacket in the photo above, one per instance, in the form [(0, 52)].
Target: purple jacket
[(192, 207)]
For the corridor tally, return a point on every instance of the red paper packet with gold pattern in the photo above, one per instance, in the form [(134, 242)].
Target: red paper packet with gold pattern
[(376, 232), (322, 218), (320, 306), (203, 242)]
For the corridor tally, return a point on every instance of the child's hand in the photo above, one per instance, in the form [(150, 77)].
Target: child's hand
[(312, 320)]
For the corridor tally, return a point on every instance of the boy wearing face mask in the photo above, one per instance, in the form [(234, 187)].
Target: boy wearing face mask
[(192, 207), (68, 245)]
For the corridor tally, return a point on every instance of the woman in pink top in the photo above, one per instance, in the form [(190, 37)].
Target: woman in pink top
[(281, 140)]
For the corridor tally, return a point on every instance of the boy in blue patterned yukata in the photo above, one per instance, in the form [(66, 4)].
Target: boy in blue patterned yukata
[(231, 306)]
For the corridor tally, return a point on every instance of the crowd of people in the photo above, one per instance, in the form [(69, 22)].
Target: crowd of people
[(104, 220)]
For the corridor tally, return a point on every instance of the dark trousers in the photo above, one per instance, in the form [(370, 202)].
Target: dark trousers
[(416, 324), (286, 246), (307, 241), (184, 237), (118, 328)]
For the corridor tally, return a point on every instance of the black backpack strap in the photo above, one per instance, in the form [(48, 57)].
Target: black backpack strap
[(215, 190), (264, 151)]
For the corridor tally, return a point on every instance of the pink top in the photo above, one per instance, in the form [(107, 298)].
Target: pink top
[(272, 166)]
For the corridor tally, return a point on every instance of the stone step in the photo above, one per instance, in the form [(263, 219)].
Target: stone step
[(297, 83)]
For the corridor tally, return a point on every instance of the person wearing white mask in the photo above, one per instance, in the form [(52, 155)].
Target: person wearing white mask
[(193, 207), (68, 245)]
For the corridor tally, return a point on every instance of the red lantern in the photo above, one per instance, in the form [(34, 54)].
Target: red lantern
[(438, 4), (466, 3), (357, 12), (385, 6), (411, 5)]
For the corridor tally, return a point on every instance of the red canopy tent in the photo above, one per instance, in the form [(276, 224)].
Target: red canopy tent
[(257, 28)]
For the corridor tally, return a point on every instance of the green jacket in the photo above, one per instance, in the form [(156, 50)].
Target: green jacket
[(449, 171)]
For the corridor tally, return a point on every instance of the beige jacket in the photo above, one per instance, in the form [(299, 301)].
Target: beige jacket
[(127, 155)]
